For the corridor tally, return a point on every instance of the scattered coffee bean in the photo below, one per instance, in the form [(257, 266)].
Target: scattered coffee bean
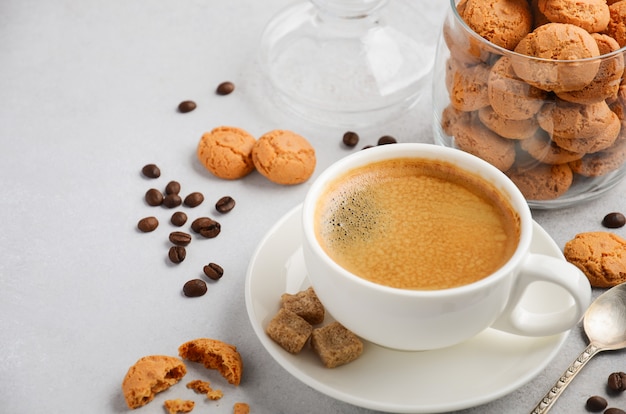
[(225, 204), (194, 288), (614, 411), (206, 227), (386, 139), (199, 223), (614, 220), (211, 231), (350, 139), (154, 197), (194, 199), (151, 171), (617, 381), (203, 223), (148, 224), (213, 271), (179, 218), (596, 403), (177, 254), (172, 201), (225, 88), (186, 106), (173, 187), (180, 238), (367, 147)]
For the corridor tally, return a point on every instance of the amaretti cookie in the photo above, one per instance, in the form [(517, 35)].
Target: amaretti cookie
[(452, 119), (557, 41), (602, 162), (284, 157), (600, 255), (149, 376), (607, 81), (543, 149), (465, 47), (617, 22), (538, 181), (571, 120), (591, 15), (508, 128), (468, 86), (227, 152), (214, 354), (511, 97), (502, 22), (478, 140)]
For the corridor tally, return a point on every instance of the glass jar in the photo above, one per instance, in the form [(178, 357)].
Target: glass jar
[(555, 125)]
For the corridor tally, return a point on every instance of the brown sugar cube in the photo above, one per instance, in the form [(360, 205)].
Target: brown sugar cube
[(304, 304), (178, 406), (289, 330), (336, 345), (241, 408)]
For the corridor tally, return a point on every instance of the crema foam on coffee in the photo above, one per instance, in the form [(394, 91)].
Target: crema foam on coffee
[(416, 224)]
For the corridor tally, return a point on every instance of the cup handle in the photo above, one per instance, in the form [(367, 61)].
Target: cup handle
[(536, 267)]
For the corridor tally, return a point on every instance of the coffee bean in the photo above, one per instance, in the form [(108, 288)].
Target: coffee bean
[(172, 201), (614, 220), (180, 238), (367, 147), (151, 171), (186, 106), (225, 204), (200, 223), (617, 381), (614, 411), (179, 218), (206, 227), (154, 197), (225, 88), (194, 199), (194, 288), (212, 231), (350, 139), (386, 139), (173, 187), (213, 271), (596, 403), (148, 224), (177, 254)]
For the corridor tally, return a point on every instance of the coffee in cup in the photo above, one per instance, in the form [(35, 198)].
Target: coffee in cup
[(375, 219)]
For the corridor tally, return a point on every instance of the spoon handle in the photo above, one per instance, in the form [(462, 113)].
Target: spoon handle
[(557, 389)]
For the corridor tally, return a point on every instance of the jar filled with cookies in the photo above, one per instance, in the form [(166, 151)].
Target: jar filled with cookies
[(536, 88)]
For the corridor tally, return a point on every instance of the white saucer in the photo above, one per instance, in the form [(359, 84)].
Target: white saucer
[(485, 368)]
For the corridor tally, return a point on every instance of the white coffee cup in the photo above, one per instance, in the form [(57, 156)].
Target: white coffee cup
[(409, 319)]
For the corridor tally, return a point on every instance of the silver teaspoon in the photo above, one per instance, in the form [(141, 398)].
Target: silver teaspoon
[(605, 327)]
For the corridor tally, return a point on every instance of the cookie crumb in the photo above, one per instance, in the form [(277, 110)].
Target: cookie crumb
[(241, 408), (178, 406)]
